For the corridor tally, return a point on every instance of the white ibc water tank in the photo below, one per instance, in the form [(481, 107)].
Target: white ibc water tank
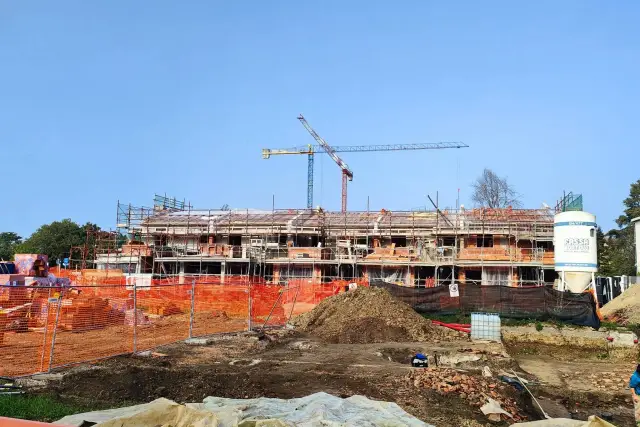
[(576, 256)]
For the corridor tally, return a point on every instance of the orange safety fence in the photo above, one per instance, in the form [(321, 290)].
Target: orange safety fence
[(46, 327), (25, 310)]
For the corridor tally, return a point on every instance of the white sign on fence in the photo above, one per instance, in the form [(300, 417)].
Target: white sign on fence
[(139, 280), (453, 290)]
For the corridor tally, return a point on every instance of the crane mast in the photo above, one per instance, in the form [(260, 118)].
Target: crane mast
[(347, 174)]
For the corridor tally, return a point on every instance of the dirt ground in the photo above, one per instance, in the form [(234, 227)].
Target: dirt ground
[(583, 380), (288, 364), (23, 353)]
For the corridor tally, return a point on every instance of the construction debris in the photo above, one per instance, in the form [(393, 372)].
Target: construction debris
[(369, 315), (476, 390), (493, 410)]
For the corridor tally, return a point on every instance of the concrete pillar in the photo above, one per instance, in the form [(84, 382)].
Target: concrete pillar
[(410, 276), (181, 273), (276, 273), (223, 268)]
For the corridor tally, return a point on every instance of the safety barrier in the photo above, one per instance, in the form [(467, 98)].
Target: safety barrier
[(534, 302), (46, 327)]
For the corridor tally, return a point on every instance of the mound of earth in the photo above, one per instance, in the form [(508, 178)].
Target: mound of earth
[(369, 315), (625, 307)]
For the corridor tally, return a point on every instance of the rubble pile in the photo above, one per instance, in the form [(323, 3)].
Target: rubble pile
[(370, 315), (475, 390)]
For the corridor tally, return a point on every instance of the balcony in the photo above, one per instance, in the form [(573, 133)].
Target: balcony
[(505, 254)]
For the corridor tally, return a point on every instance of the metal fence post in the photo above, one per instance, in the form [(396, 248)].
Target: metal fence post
[(135, 317), (46, 327), (249, 303), (193, 304), (55, 329)]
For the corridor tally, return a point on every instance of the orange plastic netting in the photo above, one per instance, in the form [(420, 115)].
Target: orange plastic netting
[(46, 327)]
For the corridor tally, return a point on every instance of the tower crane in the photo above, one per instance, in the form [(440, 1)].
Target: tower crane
[(311, 150), (347, 175)]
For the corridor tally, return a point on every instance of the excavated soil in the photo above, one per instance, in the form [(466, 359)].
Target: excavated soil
[(288, 364), (625, 308), (370, 315)]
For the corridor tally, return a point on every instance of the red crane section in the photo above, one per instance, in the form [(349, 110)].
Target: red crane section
[(347, 174)]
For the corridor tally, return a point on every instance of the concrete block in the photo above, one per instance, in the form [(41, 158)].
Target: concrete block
[(30, 383), (621, 339), (48, 377), (199, 341)]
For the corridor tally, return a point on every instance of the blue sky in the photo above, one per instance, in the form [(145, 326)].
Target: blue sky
[(117, 100)]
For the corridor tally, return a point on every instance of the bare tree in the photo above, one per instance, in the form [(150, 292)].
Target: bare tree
[(492, 191)]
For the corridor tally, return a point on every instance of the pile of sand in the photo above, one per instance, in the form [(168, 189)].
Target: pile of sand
[(369, 315), (625, 307)]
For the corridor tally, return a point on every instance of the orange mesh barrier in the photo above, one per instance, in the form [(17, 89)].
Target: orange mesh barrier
[(46, 327), (23, 310), (90, 323), (163, 313), (220, 308), (268, 305)]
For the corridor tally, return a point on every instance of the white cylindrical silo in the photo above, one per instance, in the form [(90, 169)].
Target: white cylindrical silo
[(575, 248)]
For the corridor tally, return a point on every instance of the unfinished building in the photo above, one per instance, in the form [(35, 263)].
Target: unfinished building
[(509, 247)]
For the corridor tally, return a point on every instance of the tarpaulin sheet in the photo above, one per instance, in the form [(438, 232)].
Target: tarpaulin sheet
[(313, 410), (539, 303), (593, 421)]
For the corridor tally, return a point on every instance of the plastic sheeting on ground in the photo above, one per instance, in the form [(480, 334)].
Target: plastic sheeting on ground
[(566, 422), (319, 409)]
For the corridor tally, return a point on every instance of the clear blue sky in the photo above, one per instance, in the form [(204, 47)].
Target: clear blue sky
[(116, 100)]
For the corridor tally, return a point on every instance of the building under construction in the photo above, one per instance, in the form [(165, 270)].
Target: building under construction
[(508, 247)]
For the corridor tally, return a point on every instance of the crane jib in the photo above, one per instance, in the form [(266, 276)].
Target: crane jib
[(310, 151)]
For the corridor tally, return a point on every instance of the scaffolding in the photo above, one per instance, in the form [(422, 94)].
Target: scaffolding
[(569, 202), (412, 248)]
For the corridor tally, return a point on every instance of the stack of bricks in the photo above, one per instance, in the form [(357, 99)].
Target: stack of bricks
[(89, 313), (3, 323), (163, 308)]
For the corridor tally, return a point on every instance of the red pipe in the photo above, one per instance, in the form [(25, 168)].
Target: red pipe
[(462, 325), (455, 326)]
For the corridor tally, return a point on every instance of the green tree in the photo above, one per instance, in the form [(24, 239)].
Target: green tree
[(604, 261), (632, 206), (619, 253), (8, 242), (56, 239), (622, 252)]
